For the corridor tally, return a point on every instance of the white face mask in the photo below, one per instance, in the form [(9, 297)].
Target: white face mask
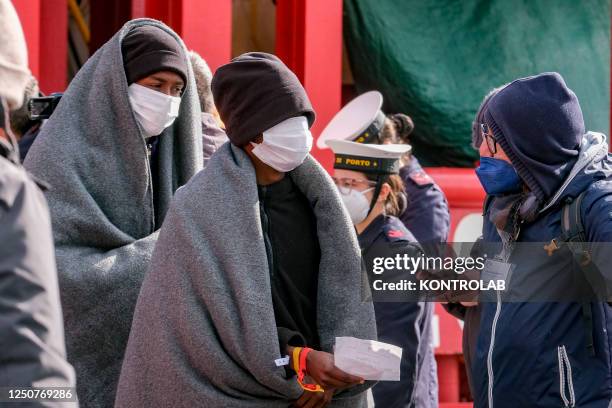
[(286, 145), (154, 110), (357, 205)]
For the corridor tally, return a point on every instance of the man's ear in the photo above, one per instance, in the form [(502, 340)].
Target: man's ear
[(248, 147)]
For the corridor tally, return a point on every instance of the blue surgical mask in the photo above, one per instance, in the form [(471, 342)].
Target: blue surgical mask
[(498, 176)]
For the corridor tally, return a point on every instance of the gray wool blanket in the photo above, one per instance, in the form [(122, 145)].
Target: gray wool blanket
[(204, 332), (104, 212)]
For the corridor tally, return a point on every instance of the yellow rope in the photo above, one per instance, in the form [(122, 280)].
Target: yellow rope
[(75, 11)]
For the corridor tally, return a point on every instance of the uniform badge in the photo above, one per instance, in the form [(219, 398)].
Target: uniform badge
[(421, 178), (395, 233)]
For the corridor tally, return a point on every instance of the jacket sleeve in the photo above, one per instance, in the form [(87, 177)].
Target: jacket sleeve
[(597, 216), (597, 221), (426, 214), (32, 349), (288, 337)]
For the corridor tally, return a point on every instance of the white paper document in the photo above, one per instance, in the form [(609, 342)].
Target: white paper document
[(368, 359)]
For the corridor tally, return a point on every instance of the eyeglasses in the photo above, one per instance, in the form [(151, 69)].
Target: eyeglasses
[(346, 185), (489, 138)]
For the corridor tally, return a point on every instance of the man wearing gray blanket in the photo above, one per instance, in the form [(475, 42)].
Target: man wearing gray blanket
[(125, 135), (257, 259)]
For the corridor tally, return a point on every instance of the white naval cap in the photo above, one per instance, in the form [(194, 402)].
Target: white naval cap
[(360, 121), (368, 158)]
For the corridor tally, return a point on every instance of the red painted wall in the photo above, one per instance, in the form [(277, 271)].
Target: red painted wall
[(204, 25), (45, 25), (309, 41)]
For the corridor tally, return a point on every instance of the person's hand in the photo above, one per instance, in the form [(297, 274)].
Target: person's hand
[(311, 399), (320, 367)]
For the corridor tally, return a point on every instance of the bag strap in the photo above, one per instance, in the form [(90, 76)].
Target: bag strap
[(571, 221), (574, 235)]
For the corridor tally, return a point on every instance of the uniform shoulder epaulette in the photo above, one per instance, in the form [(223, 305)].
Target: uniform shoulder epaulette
[(395, 231), (420, 178)]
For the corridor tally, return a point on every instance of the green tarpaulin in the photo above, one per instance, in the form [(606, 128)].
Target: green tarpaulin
[(436, 59)]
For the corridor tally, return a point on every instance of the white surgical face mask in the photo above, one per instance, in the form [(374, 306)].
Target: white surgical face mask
[(357, 204), (286, 145), (154, 110)]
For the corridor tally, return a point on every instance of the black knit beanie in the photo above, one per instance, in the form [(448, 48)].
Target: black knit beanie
[(255, 92), (148, 49), (538, 122)]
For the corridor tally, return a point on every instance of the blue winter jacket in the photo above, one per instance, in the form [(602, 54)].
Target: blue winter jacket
[(534, 354)]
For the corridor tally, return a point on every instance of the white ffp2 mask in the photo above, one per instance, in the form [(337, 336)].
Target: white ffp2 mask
[(154, 110), (286, 145), (357, 205)]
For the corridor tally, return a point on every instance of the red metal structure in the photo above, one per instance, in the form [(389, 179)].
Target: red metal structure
[(309, 40), (204, 25), (45, 25)]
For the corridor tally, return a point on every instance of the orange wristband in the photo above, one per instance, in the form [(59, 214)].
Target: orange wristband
[(302, 354), (296, 359)]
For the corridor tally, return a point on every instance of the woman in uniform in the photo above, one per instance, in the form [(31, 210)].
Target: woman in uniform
[(367, 177), (426, 212)]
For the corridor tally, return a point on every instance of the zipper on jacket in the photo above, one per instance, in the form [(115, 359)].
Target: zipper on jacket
[(490, 353), (152, 199), (508, 247), (565, 378)]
